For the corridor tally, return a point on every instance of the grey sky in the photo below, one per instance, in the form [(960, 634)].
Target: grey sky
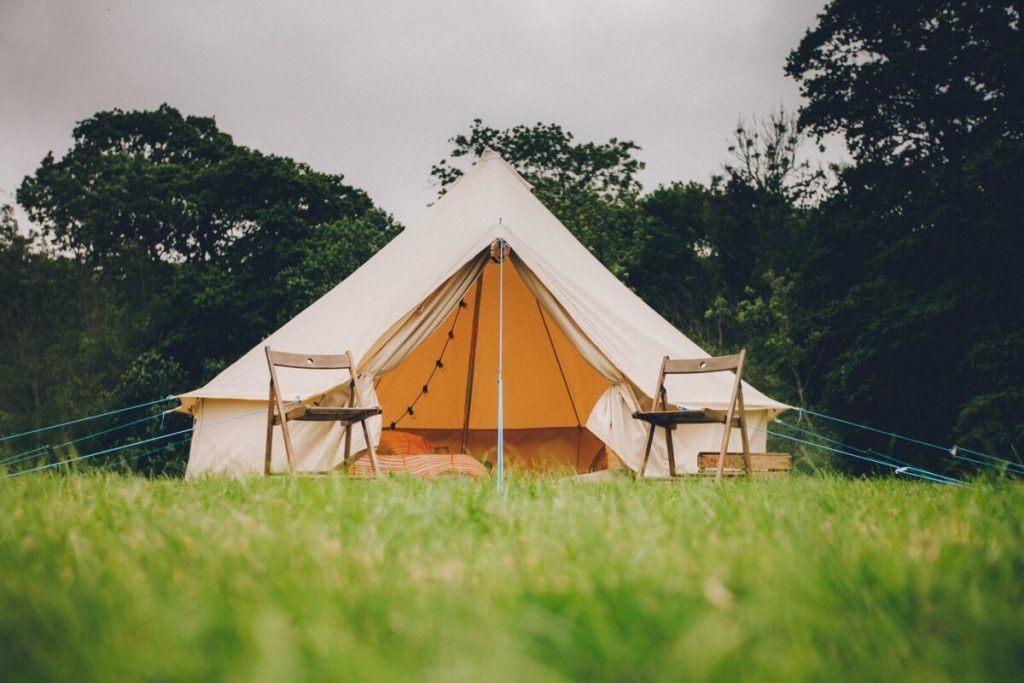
[(373, 89)]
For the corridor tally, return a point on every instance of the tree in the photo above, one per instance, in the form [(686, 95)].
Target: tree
[(176, 188), (198, 228), (677, 272), (330, 255), (64, 334), (916, 81), (8, 227), (766, 157), (915, 253)]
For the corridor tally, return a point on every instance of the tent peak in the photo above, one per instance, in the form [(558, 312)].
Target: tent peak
[(489, 154)]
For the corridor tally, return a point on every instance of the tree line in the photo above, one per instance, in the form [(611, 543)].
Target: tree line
[(886, 291)]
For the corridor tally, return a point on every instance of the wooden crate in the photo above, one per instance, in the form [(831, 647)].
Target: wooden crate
[(761, 464)]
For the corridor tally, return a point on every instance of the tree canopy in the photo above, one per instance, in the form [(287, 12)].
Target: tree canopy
[(915, 254), (178, 189), (912, 82)]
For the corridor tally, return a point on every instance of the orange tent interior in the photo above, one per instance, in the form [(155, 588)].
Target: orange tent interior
[(446, 389)]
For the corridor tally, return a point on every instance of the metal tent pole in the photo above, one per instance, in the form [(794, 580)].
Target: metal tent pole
[(501, 352)]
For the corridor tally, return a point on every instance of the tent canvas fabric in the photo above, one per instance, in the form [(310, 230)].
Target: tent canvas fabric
[(580, 349)]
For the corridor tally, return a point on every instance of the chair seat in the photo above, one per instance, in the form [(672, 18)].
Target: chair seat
[(328, 414), (670, 418)]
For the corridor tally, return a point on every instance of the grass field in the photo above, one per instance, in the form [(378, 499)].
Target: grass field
[(113, 578)]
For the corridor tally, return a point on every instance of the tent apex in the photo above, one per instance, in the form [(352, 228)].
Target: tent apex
[(489, 154)]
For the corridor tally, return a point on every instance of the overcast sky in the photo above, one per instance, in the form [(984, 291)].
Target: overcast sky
[(374, 89)]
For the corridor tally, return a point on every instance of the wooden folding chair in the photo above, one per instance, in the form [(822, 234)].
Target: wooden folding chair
[(347, 415), (667, 417)]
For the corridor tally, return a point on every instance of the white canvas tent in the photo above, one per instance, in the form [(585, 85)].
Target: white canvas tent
[(581, 351)]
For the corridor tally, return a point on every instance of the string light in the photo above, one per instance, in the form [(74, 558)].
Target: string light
[(438, 365)]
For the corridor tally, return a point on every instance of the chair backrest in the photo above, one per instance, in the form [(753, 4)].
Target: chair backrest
[(687, 366), (308, 361)]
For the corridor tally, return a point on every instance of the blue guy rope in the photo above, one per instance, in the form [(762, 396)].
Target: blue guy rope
[(24, 455), (86, 419), (906, 465), (93, 455), (145, 453), (868, 452), (28, 455), (1008, 466), (898, 470), (1009, 463), (130, 445), (894, 435)]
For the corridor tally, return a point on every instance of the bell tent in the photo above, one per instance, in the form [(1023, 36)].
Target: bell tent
[(423, 319)]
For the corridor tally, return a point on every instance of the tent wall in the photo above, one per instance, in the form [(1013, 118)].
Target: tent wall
[(230, 439)]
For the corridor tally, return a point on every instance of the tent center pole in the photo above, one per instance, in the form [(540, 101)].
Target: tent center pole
[(502, 249)]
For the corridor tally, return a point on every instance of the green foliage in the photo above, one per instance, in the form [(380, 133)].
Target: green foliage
[(8, 227), (330, 255), (547, 155), (992, 411), (65, 333), (145, 376), (769, 323), (115, 578), (725, 263), (177, 188), (677, 272), (916, 254), (913, 82)]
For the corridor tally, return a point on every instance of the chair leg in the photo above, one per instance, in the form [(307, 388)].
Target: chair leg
[(288, 445), (647, 451), (727, 428), (746, 445), (270, 434), (348, 442), (743, 432), (348, 445), (671, 452), (373, 451)]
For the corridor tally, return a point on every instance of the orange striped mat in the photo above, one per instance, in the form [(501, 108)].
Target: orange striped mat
[(420, 465)]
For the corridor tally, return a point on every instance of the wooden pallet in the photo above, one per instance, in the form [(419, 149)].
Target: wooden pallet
[(761, 464)]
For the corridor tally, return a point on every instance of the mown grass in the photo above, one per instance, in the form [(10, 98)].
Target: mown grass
[(120, 578)]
